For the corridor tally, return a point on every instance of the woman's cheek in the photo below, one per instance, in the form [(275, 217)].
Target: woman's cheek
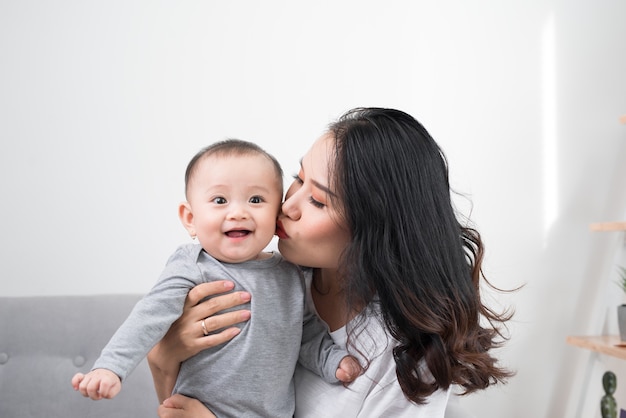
[(318, 243)]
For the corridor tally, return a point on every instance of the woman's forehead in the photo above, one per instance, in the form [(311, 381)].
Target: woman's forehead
[(318, 156)]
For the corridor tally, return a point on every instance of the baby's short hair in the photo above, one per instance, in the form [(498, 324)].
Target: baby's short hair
[(229, 147)]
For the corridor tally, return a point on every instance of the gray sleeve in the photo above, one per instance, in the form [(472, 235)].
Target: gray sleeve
[(318, 352), (152, 316)]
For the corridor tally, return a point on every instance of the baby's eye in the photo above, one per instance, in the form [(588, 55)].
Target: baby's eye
[(256, 199), (297, 178), (219, 201)]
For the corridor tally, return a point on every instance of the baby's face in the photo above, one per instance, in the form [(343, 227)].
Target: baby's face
[(234, 203)]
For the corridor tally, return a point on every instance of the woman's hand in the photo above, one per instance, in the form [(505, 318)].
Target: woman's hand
[(179, 406), (186, 338)]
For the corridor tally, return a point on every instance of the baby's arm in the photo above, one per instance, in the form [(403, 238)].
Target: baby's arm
[(97, 384), (143, 328), (322, 356)]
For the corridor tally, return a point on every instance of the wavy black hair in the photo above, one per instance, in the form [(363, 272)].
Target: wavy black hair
[(410, 254)]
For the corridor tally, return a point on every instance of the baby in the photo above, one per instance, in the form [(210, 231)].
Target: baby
[(233, 196)]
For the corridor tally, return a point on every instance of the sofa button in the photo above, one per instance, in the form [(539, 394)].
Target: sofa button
[(79, 361), (4, 357)]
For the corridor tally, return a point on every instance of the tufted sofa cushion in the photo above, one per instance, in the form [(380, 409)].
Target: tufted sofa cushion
[(44, 341)]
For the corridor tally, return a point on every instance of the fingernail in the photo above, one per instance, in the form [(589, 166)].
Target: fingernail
[(229, 285), (245, 296)]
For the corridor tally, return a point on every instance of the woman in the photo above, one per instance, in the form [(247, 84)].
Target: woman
[(389, 268)]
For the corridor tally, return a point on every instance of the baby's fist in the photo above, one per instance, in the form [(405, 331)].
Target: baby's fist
[(97, 384), (349, 369)]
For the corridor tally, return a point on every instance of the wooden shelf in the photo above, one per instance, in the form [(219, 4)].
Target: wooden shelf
[(605, 344), (608, 226)]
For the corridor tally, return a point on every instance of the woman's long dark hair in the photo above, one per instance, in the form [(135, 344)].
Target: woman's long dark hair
[(409, 249)]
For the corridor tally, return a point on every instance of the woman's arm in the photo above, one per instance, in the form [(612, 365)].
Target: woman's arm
[(185, 337)]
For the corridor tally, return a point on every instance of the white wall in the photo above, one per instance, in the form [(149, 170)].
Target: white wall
[(103, 103)]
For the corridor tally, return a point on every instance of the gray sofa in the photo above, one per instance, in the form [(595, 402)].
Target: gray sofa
[(44, 341)]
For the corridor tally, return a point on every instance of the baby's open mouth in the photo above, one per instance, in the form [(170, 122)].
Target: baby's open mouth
[(237, 233)]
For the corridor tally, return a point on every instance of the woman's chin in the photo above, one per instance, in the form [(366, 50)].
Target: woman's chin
[(285, 249)]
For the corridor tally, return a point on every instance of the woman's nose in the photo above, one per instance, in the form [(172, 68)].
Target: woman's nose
[(290, 207)]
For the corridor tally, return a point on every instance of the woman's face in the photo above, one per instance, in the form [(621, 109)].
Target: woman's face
[(310, 229)]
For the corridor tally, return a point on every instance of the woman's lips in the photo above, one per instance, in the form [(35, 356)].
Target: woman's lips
[(280, 231)]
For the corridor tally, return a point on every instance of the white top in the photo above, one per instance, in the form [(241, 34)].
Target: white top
[(373, 394)]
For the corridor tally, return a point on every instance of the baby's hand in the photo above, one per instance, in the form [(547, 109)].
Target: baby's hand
[(97, 384), (349, 369)]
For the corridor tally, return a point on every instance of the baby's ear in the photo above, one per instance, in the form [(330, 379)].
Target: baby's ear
[(186, 217)]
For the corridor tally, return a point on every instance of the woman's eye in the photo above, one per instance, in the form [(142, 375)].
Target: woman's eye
[(298, 180), (316, 203), (256, 199), (219, 201)]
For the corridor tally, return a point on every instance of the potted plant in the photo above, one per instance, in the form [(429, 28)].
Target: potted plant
[(621, 309)]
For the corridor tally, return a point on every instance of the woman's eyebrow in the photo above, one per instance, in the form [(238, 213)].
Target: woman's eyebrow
[(319, 185), (323, 188)]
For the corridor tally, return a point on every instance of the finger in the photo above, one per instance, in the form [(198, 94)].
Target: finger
[(219, 338), (182, 406), (82, 387), (172, 407), (342, 376), (219, 322), (220, 303), (354, 367), (165, 412), (93, 389), (203, 290), (108, 389), (176, 401), (78, 377)]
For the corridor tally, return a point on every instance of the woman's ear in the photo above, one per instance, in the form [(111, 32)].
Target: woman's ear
[(186, 217)]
